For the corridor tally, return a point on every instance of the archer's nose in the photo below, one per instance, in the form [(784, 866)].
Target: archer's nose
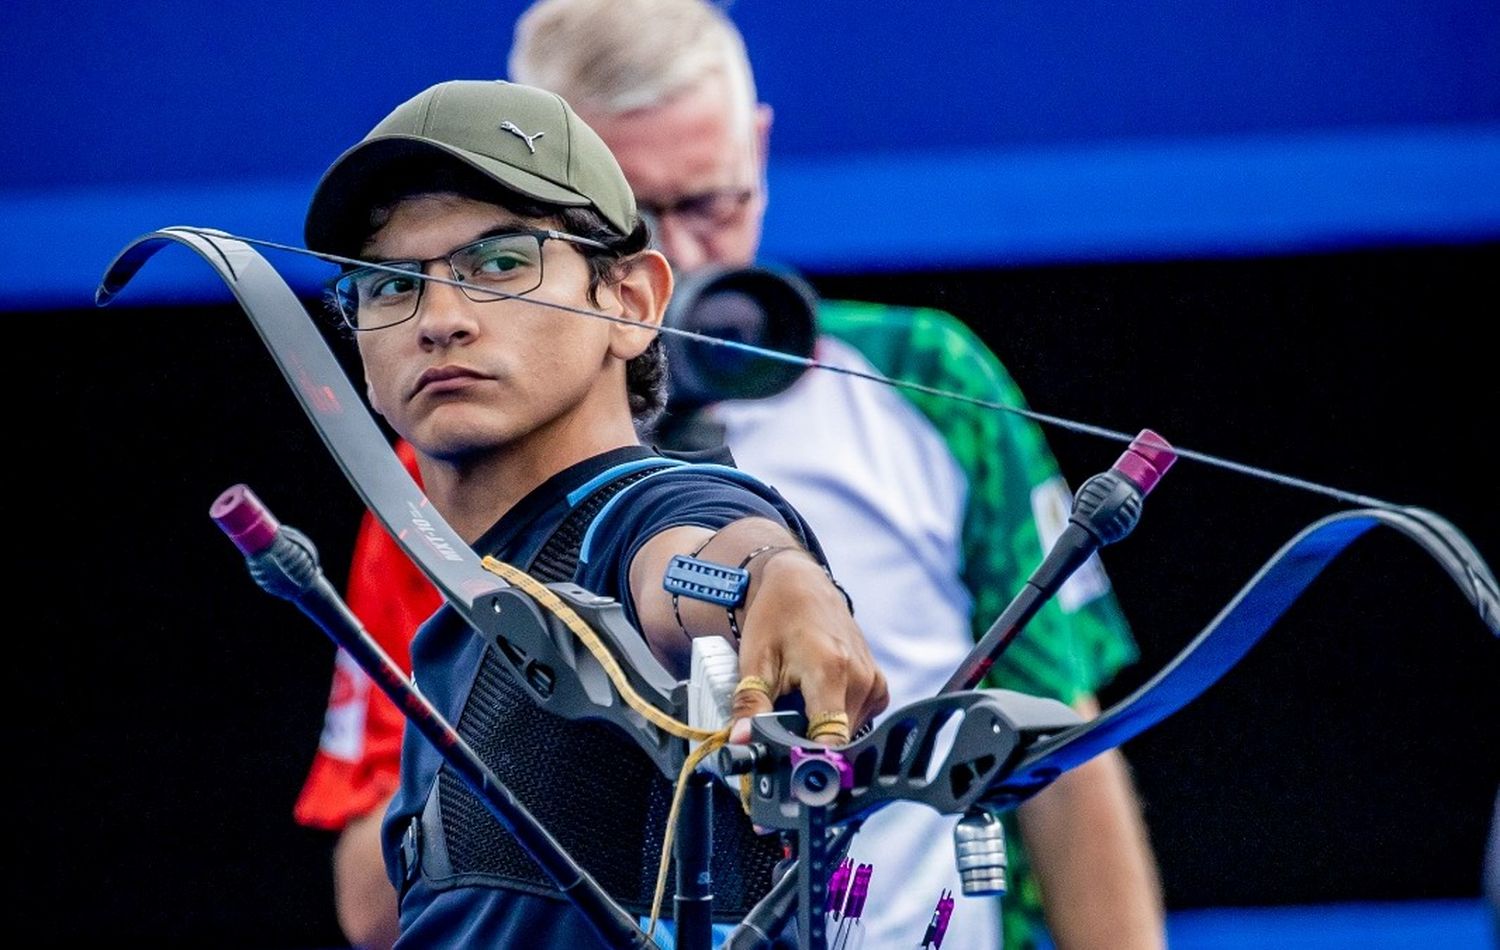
[(444, 315)]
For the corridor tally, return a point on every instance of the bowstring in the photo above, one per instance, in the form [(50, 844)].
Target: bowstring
[(1042, 418)]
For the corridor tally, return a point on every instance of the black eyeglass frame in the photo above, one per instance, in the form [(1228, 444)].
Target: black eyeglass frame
[(699, 208), (405, 268)]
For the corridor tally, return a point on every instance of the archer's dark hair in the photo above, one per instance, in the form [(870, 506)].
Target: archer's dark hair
[(645, 375)]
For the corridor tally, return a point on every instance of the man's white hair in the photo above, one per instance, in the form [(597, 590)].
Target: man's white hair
[(614, 56)]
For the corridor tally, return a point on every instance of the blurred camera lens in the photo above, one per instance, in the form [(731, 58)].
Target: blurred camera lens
[(759, 306)]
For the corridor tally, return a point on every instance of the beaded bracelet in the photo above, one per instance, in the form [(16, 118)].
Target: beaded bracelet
[(772, 550), (675, 612)]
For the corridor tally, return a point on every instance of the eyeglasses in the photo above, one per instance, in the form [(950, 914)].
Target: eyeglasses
[(492, 268), (705, 212)]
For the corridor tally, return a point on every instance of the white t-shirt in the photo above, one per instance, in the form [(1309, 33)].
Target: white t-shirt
[(886, 498)]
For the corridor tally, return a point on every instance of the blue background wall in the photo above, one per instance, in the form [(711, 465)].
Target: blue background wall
[(1119, 131)]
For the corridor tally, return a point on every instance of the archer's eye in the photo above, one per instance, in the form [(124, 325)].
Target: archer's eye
[(379, 286), (499, 262), (385, 287), (501, 259)]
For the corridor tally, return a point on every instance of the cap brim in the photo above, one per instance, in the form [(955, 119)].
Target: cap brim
[(337, 216)]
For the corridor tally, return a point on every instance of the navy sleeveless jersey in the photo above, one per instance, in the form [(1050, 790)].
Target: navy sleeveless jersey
[(448, 659)]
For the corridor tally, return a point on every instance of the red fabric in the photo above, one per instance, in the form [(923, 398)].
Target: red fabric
[(357, 764)]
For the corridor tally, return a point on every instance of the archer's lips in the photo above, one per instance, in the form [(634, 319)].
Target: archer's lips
[(446, 379)]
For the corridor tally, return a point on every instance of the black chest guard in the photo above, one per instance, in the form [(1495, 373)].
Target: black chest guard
[(587, 784)]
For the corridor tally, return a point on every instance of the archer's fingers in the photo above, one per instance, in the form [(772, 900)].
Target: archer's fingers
[(753, 696), (875, 701), (864, 695), (825, 693)]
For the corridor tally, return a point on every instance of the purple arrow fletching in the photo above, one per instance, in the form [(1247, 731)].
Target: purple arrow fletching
[(838, 887), (944, 911), (859, 890)]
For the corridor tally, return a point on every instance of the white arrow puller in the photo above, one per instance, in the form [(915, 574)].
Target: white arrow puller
[(714, 674)]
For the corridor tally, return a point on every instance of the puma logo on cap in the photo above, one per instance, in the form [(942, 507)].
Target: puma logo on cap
[(530, 140)]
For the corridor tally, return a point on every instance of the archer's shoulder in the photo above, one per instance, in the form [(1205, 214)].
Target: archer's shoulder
[(706, 483)]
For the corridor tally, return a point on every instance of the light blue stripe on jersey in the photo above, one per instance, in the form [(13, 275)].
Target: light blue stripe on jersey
[(728, 471), (616, 471)]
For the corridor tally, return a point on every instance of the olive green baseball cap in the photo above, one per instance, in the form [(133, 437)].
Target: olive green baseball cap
[(527, 139)]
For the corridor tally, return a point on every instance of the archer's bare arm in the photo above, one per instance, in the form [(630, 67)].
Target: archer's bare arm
[(797, 630), (363, 896), (1092, 856)]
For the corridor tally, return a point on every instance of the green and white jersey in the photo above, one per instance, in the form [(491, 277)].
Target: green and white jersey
[(932, 513)]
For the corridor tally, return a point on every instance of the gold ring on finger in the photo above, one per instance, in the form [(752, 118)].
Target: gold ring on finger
[(754, 684), (818, 722), (837, 735)]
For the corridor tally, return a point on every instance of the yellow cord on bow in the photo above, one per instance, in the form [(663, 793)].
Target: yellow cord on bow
[(709, 741), (708, 747), (575, 623)]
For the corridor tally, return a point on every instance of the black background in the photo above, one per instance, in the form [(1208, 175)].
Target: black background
[(168, 709)]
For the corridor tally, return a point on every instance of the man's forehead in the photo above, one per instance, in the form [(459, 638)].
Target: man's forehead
[(412, 226), (691, 143)]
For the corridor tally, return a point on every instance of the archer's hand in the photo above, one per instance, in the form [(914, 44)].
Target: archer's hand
[(798, 634)]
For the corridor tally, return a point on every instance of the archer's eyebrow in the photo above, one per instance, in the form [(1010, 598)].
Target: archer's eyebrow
[(513, 227)]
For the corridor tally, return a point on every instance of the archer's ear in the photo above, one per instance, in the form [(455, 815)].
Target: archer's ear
[(643, 291)]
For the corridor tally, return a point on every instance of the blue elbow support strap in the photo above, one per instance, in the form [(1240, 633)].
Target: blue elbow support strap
[(687, 576)]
